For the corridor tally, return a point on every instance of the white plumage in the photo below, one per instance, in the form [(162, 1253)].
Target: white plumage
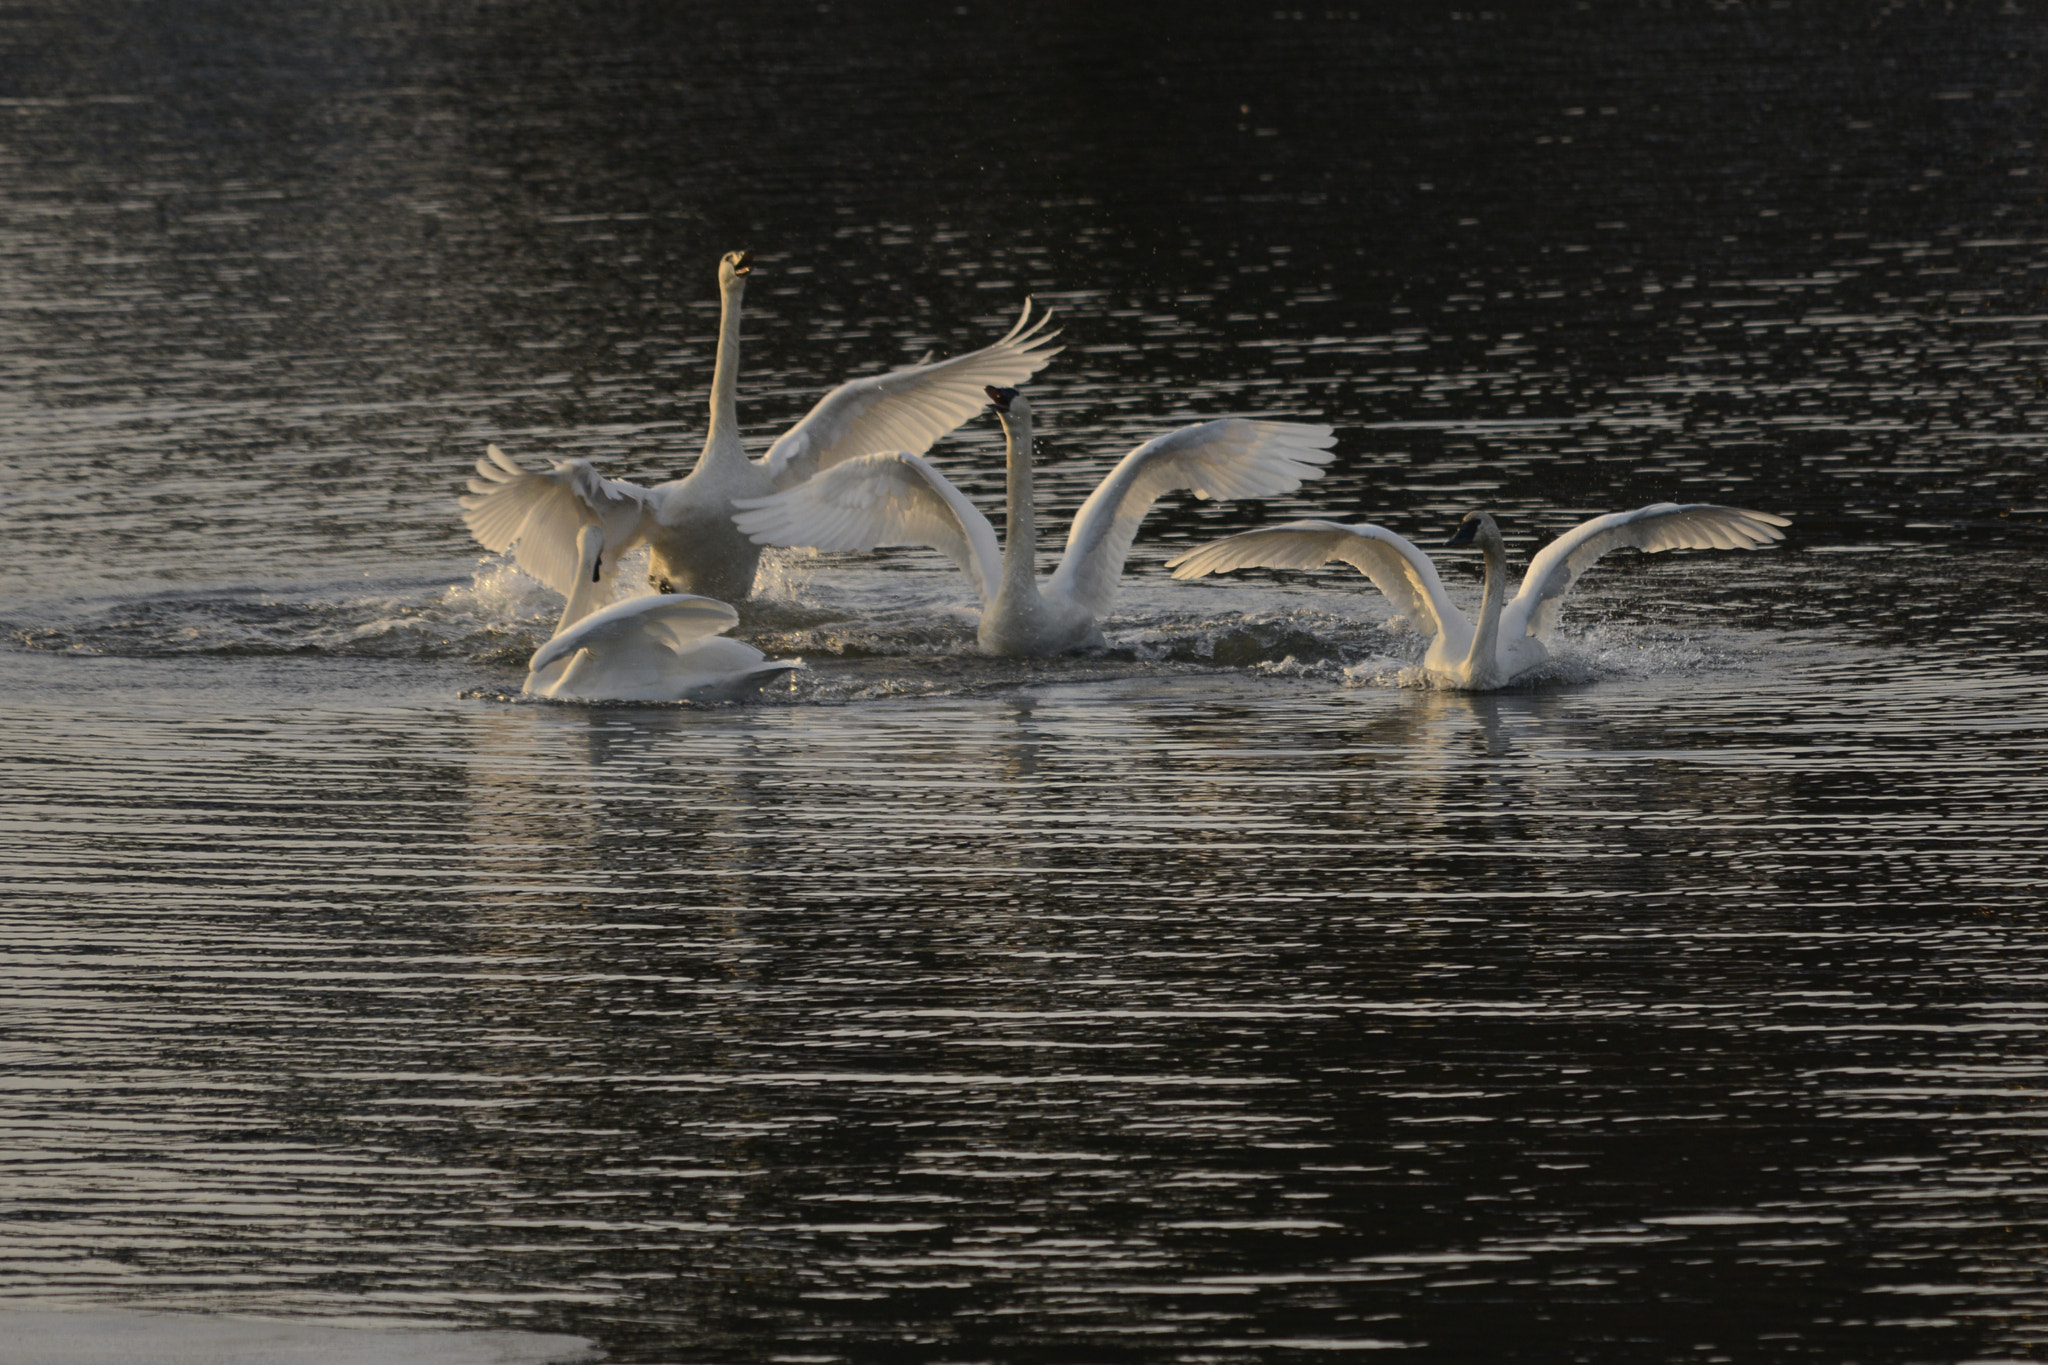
[(895, 498), (658, 648), (687, 522), (543, 513), (1231, 457), (664, 647), (1510, 637), (900, 499)]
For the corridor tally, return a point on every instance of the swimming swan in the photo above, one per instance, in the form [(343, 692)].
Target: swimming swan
[(900, 499), (688, 521), (656, 648), (1510, 637)]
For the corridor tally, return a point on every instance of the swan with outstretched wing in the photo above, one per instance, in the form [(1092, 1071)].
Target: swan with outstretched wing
[(1510, 637), (894, 499), (687, 522)]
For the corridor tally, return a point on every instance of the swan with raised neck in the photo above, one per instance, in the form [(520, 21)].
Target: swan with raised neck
[(896, 498), (1509, 637), (1021, 622), (1480, 669), (686, 522), (696, 548)]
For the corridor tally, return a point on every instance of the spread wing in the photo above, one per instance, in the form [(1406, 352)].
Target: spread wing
[(1399, 570), (891, 498), (1660, 526), (907, 409), (537, 514), (628, 629), (1232, 457)]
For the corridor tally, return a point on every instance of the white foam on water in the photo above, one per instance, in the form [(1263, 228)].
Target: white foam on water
[(867, 631), (785, 575)]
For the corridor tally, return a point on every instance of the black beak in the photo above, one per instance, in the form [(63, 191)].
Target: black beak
[(745, 264), (596, 568), (999, 399), (1463, 535)]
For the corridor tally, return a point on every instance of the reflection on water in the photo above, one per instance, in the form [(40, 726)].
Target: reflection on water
[(1196, 1017), (1210, 999)]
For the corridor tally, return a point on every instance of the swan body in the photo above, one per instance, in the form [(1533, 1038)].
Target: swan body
[(687, 522), (1510, 636), (898, 498), (659, 648)]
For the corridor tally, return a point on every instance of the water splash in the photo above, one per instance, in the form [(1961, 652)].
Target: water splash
[(866, 634), (498, 615), (785, 575)]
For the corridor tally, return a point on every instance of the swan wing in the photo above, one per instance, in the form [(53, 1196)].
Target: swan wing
[(1232, 457), (1402, 573), (723, 664), (907, 409), (627, 630), (537, 513), (1660, 526), (889, 498)]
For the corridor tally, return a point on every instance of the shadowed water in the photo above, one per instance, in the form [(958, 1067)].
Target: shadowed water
[(1223, 996)]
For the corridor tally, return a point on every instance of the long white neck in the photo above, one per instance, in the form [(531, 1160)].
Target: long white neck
[(1482, 661), (1020, 526), (722, 442), (592, 589)]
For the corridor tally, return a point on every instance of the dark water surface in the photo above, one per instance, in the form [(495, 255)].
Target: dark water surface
[(1219, 998)]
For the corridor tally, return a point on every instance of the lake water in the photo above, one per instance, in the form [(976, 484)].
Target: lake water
[(1218, 998)]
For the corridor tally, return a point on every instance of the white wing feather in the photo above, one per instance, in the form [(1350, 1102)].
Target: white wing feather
[(670, 622), (890, 498), (1402, 573), (537, 514), (907, 409), (1660, 526), (1232, 457)]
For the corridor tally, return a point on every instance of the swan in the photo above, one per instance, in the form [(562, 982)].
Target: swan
[(655, 648), (688, 521), (592, 591), (897, 497), (1510, 636)]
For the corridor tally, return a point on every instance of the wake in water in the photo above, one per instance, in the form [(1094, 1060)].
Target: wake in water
[(865, 630), (1595, 653), (499, 616)]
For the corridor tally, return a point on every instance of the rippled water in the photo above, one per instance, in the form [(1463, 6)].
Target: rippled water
[(1219, 997)]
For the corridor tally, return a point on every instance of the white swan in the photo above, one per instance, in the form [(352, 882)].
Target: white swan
[(688, 521), (899, 498), (1510, 636), (657, 648)]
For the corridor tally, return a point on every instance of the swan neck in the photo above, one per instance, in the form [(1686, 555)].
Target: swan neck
[(1483, 657), (722, 441), (1020, 526), (588, 593)]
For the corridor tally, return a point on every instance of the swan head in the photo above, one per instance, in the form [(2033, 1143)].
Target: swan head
[(1010, 403), (1015, 411), (1476, 526), (734, 267)]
